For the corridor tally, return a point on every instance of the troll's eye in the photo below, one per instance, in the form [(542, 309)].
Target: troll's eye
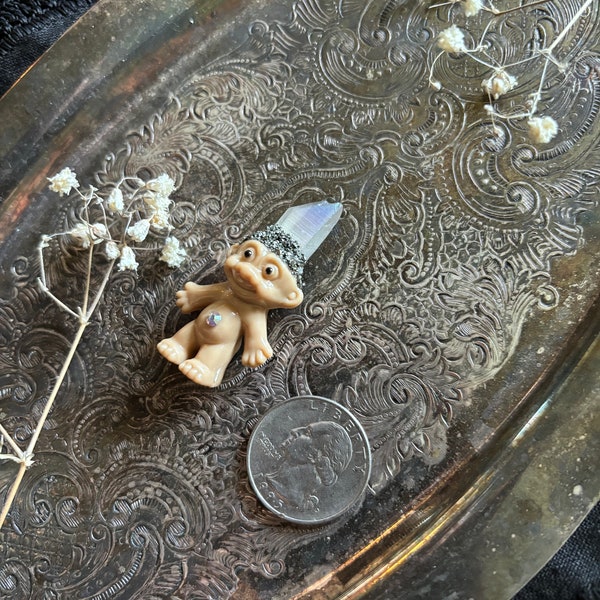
[(248, 253), (270, 272)]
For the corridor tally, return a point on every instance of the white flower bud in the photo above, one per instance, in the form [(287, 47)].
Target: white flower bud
[(84, 234), (160, 219), (542, 129), (112, 250), (472, 7), (163, 185), (499, 83), (127, 262), (157, 202), (81, 235), (114, 202), (63, 182), (139, 231), (98, 232), (452, 39), (172, 253)]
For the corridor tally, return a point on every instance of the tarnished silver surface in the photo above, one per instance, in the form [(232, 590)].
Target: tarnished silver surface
[(446, 316), (309, 460)]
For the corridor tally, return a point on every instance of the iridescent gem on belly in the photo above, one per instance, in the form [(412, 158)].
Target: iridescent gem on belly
[(213, 319)]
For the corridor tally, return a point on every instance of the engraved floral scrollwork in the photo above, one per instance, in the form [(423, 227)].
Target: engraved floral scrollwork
[(32, 357), (403, 415), (486, 311), (487, 192), (16, 581)]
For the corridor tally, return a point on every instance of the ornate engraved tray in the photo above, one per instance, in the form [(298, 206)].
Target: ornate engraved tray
[(454, 313)]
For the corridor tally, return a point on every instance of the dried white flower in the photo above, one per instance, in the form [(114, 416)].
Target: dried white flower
[(112, 250), (160, 219), (99, 232), (452, 39), (127, 262), (173, 254), (139, 231), (472, 7), (114, 202), (63, 182), (81, 235), (163, 185), (157, 202), (499, 83), (84, 234), (542, 129)]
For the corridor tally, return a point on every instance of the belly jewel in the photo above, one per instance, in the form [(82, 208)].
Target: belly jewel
[(213, 319)]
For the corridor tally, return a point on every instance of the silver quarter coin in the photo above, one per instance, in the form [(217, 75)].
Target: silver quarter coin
[(309, 460)]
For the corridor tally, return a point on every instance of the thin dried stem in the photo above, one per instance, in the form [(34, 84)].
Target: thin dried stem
[(10, 457), (507, 11), (11, 442), (537, 95), (568, 26), (61, 304), (88, 274), (84, 319), (88, 279), (100, 291), (479, 60), (12, 492), (42, 268), (56, 388)]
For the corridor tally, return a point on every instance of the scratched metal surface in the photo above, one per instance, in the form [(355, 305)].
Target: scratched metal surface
[(453, 314)]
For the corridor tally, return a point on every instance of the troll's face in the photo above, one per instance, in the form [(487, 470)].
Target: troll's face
[(260, 277)]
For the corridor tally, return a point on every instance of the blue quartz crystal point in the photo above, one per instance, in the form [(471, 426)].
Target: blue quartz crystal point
[(310, 224)]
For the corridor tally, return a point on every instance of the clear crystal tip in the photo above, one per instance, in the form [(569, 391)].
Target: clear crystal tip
[(310, 224)]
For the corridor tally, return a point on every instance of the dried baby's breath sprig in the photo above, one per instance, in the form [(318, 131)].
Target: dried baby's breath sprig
[(133, 215), (500, 81)]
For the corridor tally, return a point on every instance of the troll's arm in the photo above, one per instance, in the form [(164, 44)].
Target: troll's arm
[(195, 297), (257, 349)]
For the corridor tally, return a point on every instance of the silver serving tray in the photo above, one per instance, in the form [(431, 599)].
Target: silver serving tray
[(458, 321)]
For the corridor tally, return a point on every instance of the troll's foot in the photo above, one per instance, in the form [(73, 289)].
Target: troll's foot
[(200, 373), (172, 351)]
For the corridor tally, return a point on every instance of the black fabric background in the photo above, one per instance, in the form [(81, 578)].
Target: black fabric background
[(29, 27)]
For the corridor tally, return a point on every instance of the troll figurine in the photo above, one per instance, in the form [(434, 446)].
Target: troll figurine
[(263, 272)]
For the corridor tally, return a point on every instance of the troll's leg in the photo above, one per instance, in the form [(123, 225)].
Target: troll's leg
[(208, 366), (181, 346)]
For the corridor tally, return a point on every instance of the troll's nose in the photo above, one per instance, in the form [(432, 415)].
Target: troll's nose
[(247, 273)]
